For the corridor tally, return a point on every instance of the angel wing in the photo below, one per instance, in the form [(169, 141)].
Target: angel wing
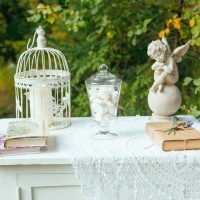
[(164, 40), (179, 52)]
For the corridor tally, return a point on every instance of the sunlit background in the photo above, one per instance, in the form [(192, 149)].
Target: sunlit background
[(115, 32)]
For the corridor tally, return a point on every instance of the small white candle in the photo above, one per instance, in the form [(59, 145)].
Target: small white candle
[(41, 103)]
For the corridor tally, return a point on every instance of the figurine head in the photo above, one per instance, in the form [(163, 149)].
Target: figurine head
[(157, 50)]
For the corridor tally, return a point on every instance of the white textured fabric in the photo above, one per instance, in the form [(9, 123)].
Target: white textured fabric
[(123, 169)]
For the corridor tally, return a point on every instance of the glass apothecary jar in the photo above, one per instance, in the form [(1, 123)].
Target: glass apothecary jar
[(103, 90)]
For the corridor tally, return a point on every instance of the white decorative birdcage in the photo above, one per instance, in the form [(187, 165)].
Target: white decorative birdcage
[(42, 84)]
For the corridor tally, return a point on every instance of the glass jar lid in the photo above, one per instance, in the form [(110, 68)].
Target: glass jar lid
[(103, 77)]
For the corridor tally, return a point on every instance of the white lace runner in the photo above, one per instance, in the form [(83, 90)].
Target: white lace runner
[(123, 169)]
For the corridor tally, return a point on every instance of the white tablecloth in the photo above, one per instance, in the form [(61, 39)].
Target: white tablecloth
[(124, 169)]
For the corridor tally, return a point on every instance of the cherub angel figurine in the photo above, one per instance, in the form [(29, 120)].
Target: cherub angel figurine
[(166, 71)]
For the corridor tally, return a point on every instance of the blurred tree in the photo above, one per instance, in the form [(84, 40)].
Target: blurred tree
[(115, 32), (13, 29)]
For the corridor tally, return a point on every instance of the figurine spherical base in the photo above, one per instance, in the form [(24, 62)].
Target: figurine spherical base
[(165, 103), (158, 118)]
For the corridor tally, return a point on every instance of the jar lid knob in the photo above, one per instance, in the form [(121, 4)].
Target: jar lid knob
[(103, 67)]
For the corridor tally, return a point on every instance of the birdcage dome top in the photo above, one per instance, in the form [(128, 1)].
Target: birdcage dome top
[(41, 62)]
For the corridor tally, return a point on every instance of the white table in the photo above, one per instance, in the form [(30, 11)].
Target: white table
[(41, 176), (49, 175)]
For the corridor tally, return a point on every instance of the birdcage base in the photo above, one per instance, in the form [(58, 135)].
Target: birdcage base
[(60, 123)]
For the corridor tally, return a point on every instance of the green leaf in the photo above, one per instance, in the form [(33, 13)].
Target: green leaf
[(51, 19), (184, 32), (194, 111), (138, 31), (56, 8), (197, 90), (130, 33), (31, 12), (196, 82), (198, 22), (34, 18), (187, 81), (195, 31), (197, 41), (94, 10), (187, 14), (146, 22), (134, 42)]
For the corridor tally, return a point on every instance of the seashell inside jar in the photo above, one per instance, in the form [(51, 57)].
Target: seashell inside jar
[(103, 90), (103, 102)]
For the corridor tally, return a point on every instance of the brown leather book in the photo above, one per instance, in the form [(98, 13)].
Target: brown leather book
[(181, 140)]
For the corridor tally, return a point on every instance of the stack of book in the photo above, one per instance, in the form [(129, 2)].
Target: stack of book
[(182, 139), (23, 136)]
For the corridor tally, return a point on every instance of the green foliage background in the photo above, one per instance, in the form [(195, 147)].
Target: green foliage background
[(114, 32)]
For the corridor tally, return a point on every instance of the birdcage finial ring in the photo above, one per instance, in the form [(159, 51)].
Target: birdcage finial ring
[(41, 40)]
